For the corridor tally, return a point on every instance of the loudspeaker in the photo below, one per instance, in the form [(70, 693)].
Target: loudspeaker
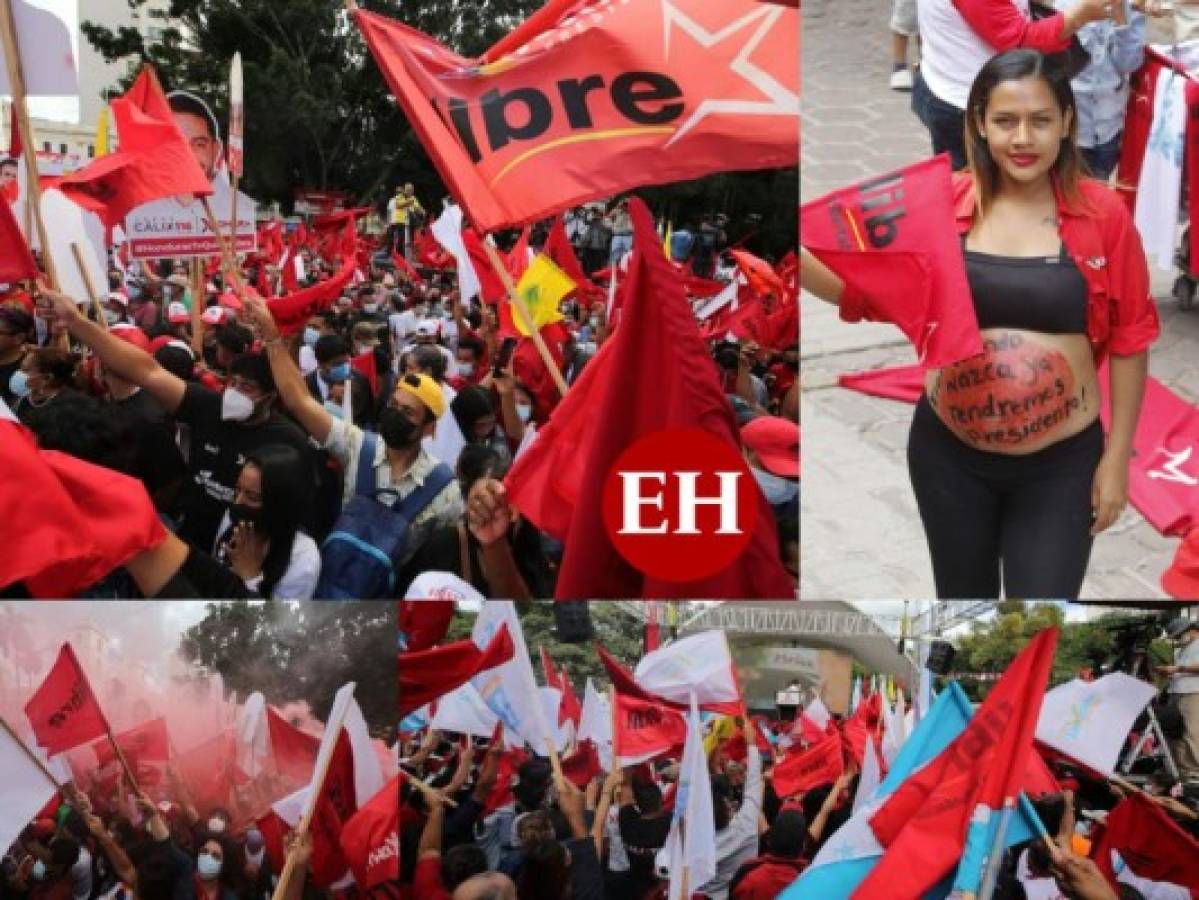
[(940, 657), (572, 621)]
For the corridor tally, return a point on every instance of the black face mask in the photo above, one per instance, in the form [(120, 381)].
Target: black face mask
[(396, 429), (239, 512)]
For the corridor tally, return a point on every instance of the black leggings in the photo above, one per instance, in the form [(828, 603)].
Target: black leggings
[(1031, 513)]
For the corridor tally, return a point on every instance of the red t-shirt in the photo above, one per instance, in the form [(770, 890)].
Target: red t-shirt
[(426, 882), (769, 877)]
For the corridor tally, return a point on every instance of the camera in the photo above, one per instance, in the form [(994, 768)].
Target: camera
[(727, 355)]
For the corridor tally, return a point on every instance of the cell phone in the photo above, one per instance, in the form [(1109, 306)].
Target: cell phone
[(504, 356)]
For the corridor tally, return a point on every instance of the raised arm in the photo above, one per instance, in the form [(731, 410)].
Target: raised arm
[(126, 360), (289, 381)]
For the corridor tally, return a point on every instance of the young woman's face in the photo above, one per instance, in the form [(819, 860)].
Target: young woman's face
[(249, 487), (1024, 127)]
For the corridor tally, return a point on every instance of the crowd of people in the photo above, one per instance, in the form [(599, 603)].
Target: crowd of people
[(252, 443)]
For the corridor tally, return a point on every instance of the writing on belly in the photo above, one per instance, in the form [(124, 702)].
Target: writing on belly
[(1013, 393)]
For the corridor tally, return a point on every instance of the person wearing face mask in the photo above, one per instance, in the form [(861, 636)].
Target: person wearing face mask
[(256, 872), (214, 877), (16, 330), (225, 427), (260, 535), (400, 465), (46, 375), (333, 369), (317, 326), (468, 356), (115, 308), (229, 342)]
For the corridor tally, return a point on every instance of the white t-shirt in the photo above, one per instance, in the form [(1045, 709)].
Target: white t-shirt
[(951, 52), (303, 570)]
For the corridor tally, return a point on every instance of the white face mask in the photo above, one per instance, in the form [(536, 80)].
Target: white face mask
[(236, 406), (370, 307), (524, 412), (466, 369)]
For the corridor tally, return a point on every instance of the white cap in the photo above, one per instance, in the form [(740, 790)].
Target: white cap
[(428, 328), (214, 315), (117, 297), (177, 313), (441, 586)]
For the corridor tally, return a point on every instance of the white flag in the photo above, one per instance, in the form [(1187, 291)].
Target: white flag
[(1088, 721), (871, 778), (24, 790), (695, 848), (699, 665), (448, 232), (463, 710), (510, 690), (595, 723), (253, 737), (44, 38), (551, 703)]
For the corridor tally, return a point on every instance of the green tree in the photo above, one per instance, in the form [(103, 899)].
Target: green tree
[(291, 652)]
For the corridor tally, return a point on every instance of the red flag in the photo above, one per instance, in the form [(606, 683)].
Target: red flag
[(904, 383), (335, 805), (147, 743), (370, 839), (402, 265), (644, 729), (558, 482), (274, 837), (16, 262), (821, 763), (648, 116), (63, 711), (1150, 843), (14, 133), (208, 771), (423, 623), (559, 249), (364, 363), (427, 674), (501, 793), (622, 679), (432, 255), (582, 765), (294, 750), (569, 709), (154, 159), (292, 312), (893, 242), (762, 279), (70, 523), (653, 627), (923, 824)]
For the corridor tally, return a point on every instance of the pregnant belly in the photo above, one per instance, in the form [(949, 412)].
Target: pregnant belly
[(1025, 391)]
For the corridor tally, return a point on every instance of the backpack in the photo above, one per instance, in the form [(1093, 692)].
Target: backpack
[(360, 556)]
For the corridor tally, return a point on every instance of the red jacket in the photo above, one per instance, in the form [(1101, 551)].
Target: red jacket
[(766, 877), (1104, 244)]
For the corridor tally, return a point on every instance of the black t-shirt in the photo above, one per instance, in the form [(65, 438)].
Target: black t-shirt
[(6, 372), (442, 552), (642, 839), (157, 461), (218, 451)]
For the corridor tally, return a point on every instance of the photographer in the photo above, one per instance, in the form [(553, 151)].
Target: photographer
[(735, 362), (1184, 691)]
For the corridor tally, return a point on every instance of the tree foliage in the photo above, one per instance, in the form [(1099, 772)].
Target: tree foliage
[(306, 651), (319, 114)]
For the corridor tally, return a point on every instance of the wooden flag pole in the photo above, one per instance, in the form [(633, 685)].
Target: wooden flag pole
[(33, 757), (77, 253), (197, 310), (523, 311), (121, 758), (16, 78), (429, 791), (228, 258), (317, 783)]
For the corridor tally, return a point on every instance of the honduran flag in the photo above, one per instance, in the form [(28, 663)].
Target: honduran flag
[(853, 851)]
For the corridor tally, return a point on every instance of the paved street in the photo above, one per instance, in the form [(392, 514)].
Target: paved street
[(861, 533)]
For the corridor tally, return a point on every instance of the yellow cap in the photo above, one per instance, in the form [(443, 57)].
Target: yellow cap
[(426, 390)]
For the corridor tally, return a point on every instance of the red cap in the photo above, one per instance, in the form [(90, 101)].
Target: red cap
[(1181, 580), (177, 314), (229, 300), (131, 334), (776, 442)]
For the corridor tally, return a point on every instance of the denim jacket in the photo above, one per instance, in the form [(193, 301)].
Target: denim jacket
[(1101, 89)]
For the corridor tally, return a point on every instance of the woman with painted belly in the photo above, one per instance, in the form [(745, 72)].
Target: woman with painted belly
[(1010, 466)]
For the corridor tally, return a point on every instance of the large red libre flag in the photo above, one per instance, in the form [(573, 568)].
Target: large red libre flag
[(427, 674), (154, 159), (654, 374), (588, 99), (16, 262), (370, 839), (802, 770), (294, 751), (147, 743), (923, 824), (68, 522), (1151, 844), (63, 711), (894, 243)]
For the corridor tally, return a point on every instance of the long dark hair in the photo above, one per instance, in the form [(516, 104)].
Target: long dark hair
[(1014, 65), (284, 503)]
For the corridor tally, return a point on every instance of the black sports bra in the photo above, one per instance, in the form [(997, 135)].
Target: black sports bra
[(1037, 293)]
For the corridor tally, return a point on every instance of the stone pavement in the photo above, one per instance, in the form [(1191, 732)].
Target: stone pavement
[(861, 533)]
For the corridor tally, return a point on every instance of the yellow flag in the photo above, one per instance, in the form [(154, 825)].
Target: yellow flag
[(102, 132), (725, 728), (666, 241), (542, 287)]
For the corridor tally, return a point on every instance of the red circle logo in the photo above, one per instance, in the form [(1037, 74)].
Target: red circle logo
[(680, 505)]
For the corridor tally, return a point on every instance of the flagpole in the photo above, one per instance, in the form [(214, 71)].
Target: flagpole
[(198, 284), (16, 78), (523, 310), (429, 791), (33, 757), (995, 856), (121, 758), (77, 252), (315, 786)]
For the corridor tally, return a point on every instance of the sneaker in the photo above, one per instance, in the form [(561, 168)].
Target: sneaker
[(901, 79)]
